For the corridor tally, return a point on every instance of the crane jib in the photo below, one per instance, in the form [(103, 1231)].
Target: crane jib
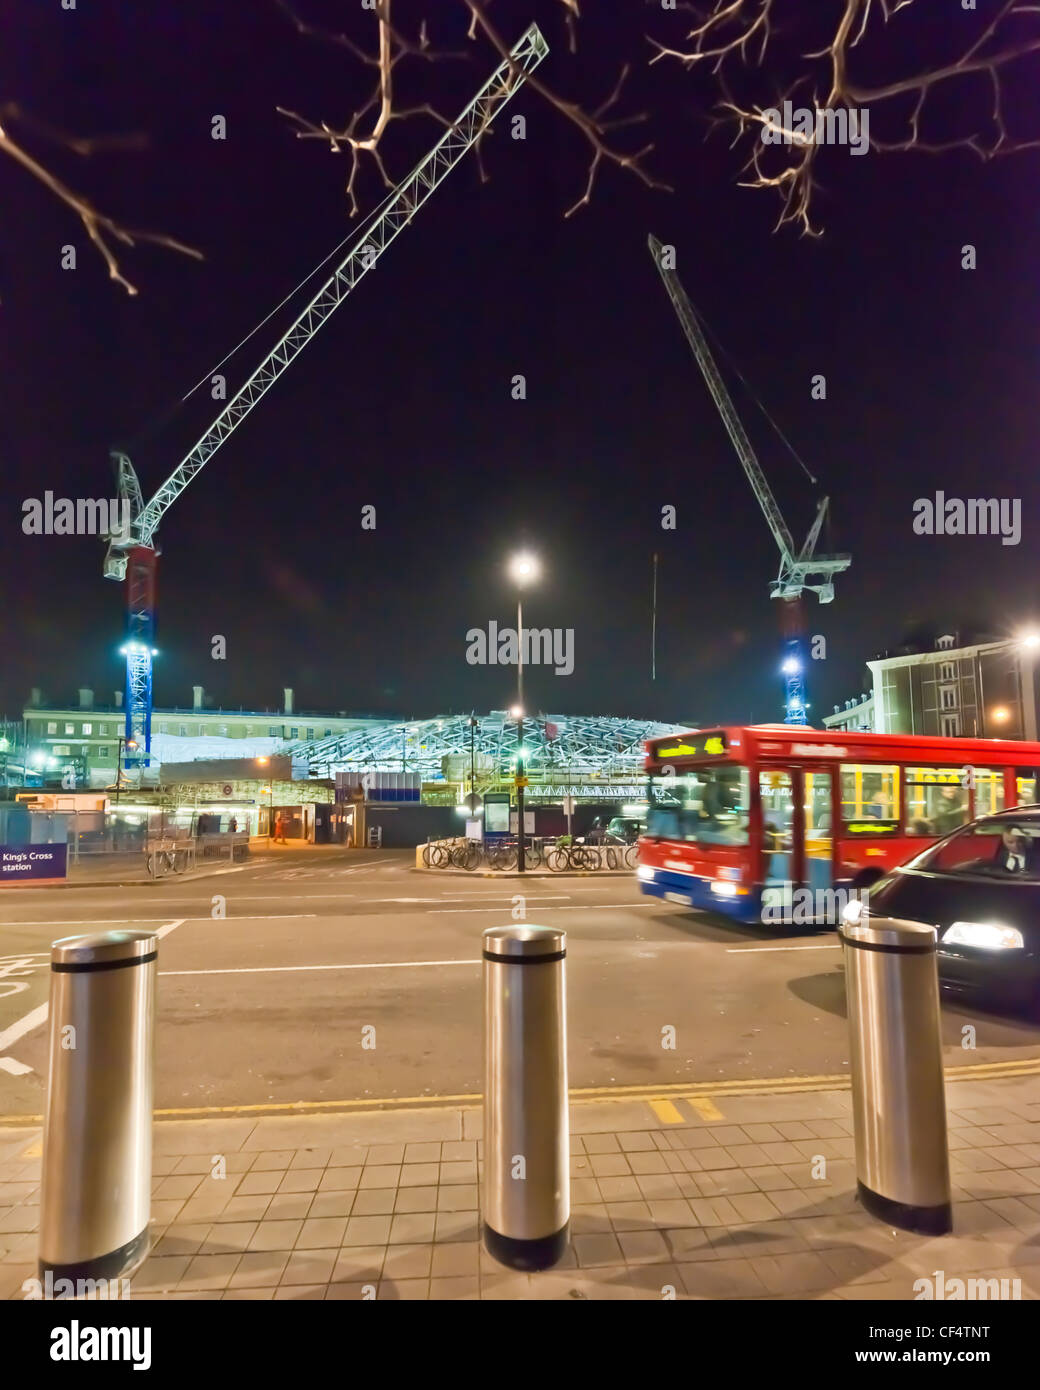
[(409, 195)]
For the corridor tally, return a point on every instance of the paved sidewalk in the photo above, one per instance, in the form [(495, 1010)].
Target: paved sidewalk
[(711, 1198)]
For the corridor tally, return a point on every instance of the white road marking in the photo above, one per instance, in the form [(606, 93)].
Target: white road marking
[(24, 1025), (736, 950), (39, 1015), (9, 1064), (82, 922), (290, 969), (577, 907), (545, 898)]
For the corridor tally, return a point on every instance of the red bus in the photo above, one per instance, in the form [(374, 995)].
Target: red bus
[(744, 820)]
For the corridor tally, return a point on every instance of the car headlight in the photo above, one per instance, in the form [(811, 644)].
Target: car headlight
[(852, 912), (723, 888), (645, 872), (987, 936)]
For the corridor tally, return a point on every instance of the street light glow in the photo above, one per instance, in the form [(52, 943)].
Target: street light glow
[(517, 712), (524, 568)]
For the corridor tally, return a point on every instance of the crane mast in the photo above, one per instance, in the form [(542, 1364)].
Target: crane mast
[(132, 554), (799, 570)]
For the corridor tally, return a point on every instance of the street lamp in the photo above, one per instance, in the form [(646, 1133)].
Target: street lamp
[(524, 569), (472, 767)]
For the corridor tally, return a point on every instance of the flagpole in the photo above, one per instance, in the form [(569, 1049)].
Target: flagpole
[(653, 628)]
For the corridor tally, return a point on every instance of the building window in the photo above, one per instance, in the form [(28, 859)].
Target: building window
[(52, 727), (70, 728), (328, 733), (947, 671), (947, 697), (272, 731), (102, 752), (87, 728), (310, 733), (223, 731), (62, 750), (294, 732), (950, 725), (163, 728), (182, 729)]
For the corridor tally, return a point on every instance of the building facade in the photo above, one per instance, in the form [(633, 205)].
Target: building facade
[(984, 689), (86, 739)]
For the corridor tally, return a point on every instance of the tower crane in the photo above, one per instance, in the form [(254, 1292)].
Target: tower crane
[(132, 552), (799, 570)]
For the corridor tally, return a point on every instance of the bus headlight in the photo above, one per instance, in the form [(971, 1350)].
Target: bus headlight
[(646, 873), (987, 936), (723, 888)]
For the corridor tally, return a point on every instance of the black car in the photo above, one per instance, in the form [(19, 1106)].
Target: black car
[(980, 887)]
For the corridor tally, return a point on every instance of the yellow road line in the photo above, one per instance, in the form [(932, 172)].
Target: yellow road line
[(666, 1112), (687, 1090), (705, 1107)]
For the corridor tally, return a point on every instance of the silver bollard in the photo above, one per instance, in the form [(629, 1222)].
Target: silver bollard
[(527, 1189), (97, 1139), (898, 1096)]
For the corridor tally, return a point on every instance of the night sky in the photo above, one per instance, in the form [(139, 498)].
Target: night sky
[(403, 399)]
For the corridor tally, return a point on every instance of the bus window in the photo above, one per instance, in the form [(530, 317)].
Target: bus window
[(708, 805), (989, 790), (819, 829), (1025, 781), (936, 802), (777, 797), (870, 798)]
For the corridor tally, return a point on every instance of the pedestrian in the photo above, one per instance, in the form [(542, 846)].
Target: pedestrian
[(232, 825), (279, 830)]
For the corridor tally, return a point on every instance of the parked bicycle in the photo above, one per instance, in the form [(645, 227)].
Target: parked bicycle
[(502, 855)]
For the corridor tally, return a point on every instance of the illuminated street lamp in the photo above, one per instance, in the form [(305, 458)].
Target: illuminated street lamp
[(524, 569), (1001, 714)]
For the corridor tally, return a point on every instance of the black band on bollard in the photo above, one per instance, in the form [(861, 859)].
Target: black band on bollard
[(529, 1255), (110, 1266), (888, 950), (526, 960), (926, 1221), (72, 968)]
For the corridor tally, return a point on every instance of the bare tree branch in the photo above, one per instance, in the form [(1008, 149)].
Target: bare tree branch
[(393, 46), (97, 224), (744, 30)]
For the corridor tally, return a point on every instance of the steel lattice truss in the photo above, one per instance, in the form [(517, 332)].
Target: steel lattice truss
[(569, 747)]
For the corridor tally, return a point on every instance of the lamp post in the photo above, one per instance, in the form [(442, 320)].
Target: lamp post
[(523, 568), (262, 761), (472, 767)]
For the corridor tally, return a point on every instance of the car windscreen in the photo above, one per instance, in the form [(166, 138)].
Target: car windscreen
[(1000, 849)]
